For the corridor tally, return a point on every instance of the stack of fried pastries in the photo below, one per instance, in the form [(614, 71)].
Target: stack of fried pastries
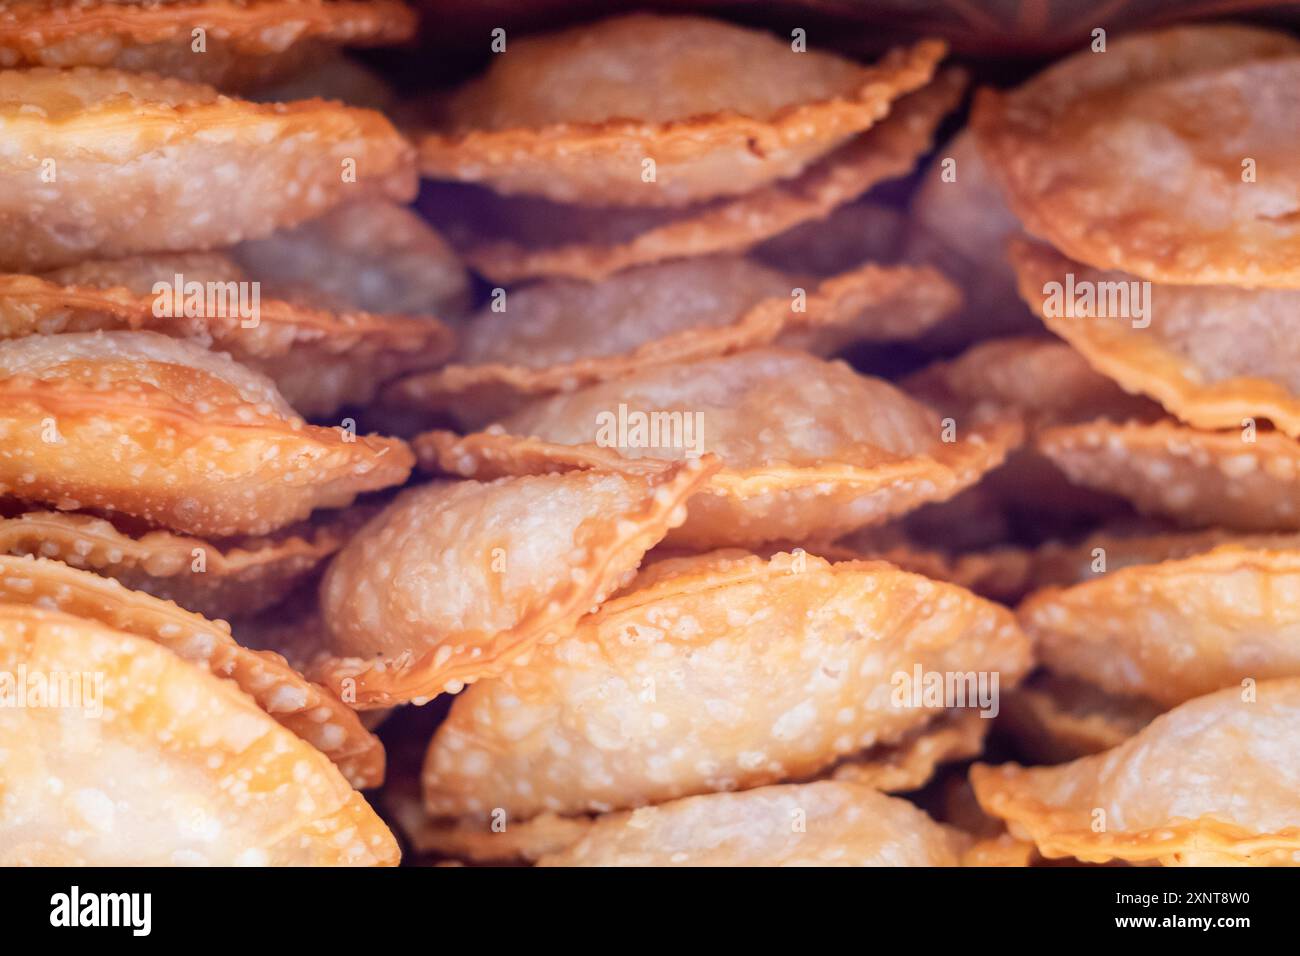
[(579, 452)]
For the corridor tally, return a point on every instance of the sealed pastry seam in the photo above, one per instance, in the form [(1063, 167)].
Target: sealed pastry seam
[(889, 149), (833, 308)]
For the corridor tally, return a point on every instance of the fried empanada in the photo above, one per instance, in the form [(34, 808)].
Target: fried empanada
[(165, 431), (810, 449), (244, 42), (1211, 354), (910, 763), (374, 256), (222, 579), (960, 223), (855, 233), (1143, 158), (138, 757), (331, 77), (716, 672), (310, 711), (904, 766), (561, 335), (103, 164), (649, 110), (1052, 719), (1212, 782), (1245, 480), (500, 842), (456, 581), (509, 239), (817, 824), (1045, 381), (1179, 628), (319, 358)]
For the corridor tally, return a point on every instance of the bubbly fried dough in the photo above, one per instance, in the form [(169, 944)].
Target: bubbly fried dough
[(374, 256), (1137, 160), (160, 429), (716, 109), (177, 767), (1053, 719), (817, 824), (1212, 355), (1178, 629), (1242, 480), (560, 335), (310, 711), (320, 359), (810, 449), (717, 672), (216, 579), (103, 164), (510, 239), (1212, 782), (244, 42), (454, 582)]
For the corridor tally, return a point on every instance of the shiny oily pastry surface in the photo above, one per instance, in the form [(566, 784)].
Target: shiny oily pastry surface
[(1212, 782), (817, 824), (1247, 480), (1211, 354), (718, 109), (179, 768), (138, 424), (1137, 159), (456, 581), (509, 239), (223, 578), (244, 43), (311, 712), (104, 163), (714, 672), (809, 448), (319, 356), (1179, 628), (558, 335)]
